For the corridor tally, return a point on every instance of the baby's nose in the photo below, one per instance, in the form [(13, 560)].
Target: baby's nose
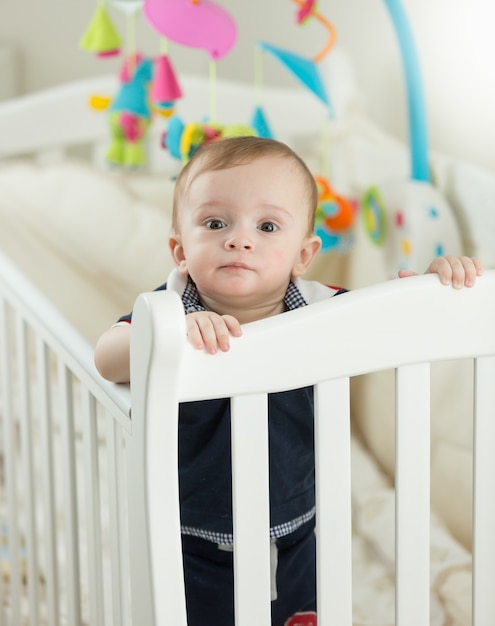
[(239, 239)]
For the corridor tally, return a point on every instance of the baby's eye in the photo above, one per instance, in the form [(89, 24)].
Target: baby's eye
[(215, 224), (268, 227)]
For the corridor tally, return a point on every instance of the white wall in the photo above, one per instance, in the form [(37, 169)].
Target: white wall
[(454, 40)]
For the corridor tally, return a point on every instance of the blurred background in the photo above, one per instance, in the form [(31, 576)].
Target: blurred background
[(454, 40)]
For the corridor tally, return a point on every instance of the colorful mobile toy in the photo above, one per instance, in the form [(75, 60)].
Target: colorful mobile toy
[(165, 89), (335, 218), (101, 37), (305, 69), (194, 23), (183, 140), (130, 116)]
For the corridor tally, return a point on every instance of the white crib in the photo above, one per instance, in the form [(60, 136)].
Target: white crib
[(67, 435), (83, 539)]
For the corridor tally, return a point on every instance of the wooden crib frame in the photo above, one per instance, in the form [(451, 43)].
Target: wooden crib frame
[(403, 324), (52, 397)]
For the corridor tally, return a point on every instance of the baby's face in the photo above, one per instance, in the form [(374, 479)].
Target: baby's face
[(243, 231)]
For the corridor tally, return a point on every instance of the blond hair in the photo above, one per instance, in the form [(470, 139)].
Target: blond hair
[(234, 151)]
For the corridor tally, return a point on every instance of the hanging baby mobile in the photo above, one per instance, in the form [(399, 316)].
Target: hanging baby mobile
[(150, 86)]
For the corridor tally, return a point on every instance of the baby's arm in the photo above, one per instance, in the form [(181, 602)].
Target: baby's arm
[(112, 354), (458, 271), (211, 331), (205, 329)]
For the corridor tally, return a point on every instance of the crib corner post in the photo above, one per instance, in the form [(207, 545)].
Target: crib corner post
[(158, 338), (139, 544)]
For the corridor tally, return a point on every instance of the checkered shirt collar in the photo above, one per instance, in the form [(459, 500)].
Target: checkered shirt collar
[(192, 304)]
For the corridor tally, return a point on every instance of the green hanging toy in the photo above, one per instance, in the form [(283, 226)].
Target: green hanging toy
[(101, 37)]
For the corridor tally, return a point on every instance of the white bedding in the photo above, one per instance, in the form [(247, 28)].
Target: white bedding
[(85, 237), (374, 554)]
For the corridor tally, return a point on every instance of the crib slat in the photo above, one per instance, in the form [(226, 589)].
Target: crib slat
[(10, 448), (4, 404), (123, 516), (251, 508), (70, 500), (484, 500), (47, 456), (333, 502), (113, 450), (27, 451), (92, 484), (412, 505)]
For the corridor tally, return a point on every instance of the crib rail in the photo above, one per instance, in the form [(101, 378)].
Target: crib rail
[(62, 460), (402, 325), (59, 122)]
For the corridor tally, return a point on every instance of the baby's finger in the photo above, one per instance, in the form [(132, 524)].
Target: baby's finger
[(211, 330), (443, 267), (464, 271), (471, 270), (478, 266), (233, 325), (222, 333), (460, 267), (201, 331), (194, 334)]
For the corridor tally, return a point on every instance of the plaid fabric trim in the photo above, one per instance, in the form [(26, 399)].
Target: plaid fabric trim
[(227, 539), (293, 298), (192, 304), (190, 298)]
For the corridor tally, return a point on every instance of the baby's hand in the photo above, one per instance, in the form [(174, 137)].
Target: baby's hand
[(458, 271), (211, 331)]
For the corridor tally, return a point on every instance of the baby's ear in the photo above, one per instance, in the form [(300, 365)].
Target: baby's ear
[(310, 249), (177, 251)]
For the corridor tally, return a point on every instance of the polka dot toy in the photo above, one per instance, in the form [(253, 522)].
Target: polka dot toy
[(413, 222)]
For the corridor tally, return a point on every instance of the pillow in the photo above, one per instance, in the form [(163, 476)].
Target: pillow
[(93, 219)]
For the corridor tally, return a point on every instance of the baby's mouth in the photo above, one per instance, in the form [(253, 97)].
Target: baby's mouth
[(236, 266)]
